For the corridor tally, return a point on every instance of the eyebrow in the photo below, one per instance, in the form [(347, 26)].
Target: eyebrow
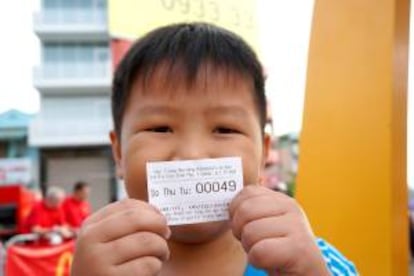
[(226, 110), (156, 110), (232, 110)]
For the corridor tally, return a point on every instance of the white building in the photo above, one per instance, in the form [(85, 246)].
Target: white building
[(74, 78)]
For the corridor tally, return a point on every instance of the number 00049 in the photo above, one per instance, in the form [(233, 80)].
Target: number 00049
[(215, 186)]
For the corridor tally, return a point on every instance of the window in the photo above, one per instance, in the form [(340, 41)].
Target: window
[(75, 11), (75, 53), (76, 60), (50, 4)]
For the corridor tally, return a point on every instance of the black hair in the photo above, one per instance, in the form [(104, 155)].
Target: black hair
[(79, 186), (191, 45)]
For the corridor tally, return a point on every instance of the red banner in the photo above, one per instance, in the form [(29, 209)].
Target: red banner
[(35, 260)]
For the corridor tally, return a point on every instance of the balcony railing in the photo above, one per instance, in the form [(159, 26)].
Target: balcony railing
[(64, 132), (71, 25), (73, 78), (65, 17), (68, 71)]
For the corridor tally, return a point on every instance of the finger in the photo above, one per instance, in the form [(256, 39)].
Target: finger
[(116, 207), (272, 253), (251, 191), (265, 228), (135, 246), (145, 266), (127, 222), (247, 192), (257, 207)]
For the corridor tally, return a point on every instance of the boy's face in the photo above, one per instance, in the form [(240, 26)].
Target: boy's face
[(215, 117)]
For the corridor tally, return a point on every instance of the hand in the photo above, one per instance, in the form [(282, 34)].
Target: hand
[(123, 238), (275, 233), (40, 230), (66, 232)]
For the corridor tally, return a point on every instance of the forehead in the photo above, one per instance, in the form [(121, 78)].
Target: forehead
[(175, 80)]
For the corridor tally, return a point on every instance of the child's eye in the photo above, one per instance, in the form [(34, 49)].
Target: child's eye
[(225, 130), (160, 129)]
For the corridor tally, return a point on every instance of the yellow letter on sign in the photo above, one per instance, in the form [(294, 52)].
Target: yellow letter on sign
[(352, 170), (64, 262)]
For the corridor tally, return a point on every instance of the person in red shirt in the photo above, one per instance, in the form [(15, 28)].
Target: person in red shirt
[(47, 216), (76, 206)]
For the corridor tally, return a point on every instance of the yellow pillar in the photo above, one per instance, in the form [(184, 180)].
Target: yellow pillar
[(352, 167)]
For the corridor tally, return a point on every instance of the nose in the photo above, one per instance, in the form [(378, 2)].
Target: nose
[(191, 147)]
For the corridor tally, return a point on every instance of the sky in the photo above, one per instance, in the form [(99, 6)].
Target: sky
[(283, 49), (18, 56)]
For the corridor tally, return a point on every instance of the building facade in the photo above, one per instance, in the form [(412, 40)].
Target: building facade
[(19, 163), (74, 79)]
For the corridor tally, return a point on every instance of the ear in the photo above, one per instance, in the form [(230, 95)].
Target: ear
[(117, 153), (267, 143)]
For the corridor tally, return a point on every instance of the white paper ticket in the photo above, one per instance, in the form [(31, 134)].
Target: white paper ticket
[(194, 191)]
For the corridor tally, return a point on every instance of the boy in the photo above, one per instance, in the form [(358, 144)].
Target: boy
[(188, 92)]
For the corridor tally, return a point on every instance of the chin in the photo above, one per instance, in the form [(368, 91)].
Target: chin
[(198, 233)]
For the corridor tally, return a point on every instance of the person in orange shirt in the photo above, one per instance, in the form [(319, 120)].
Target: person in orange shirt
[(76, 207)]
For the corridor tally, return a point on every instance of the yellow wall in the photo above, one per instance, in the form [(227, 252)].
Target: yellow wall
[(352, 165)]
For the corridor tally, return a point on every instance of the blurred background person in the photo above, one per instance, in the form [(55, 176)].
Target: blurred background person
[(37, 195), (48, 218), (35, 199), (76, 206)]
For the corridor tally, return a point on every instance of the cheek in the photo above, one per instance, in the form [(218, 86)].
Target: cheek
[(252, 164), (135, 178), (251, 159), (251, 171), (135, 159)]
